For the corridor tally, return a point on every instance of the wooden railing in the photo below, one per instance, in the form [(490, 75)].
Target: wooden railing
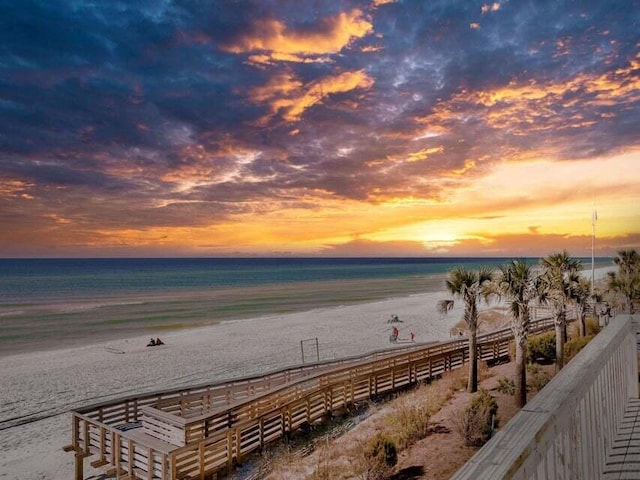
[(189, 432), (567, 430)]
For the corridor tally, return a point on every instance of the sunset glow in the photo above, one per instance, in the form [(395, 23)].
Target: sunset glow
[(341, 128)]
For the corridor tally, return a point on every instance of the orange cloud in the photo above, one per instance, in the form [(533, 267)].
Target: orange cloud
[(371, 48), (280, 85), (15, 188), (523, 108), (288, 97), (423, 154), (377, 3), (468, 165), (276, 42)]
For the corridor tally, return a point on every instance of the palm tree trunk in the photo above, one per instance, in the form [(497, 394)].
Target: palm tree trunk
[(582, 320), (559, 344), (521, 372), (472, 385)]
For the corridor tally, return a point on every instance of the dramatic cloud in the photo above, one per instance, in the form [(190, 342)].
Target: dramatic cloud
[(363, 126), (276, 42), (290, 98)]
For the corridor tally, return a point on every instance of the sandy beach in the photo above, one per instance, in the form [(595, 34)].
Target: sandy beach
[(39, 389)]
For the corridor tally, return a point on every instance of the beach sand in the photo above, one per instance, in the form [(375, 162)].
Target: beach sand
[(40, 388)]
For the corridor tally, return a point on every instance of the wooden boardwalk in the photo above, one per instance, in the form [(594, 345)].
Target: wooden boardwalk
[(623, 461), (196, 432)]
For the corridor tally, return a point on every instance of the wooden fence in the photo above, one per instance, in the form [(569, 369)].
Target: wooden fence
[(568, 429), (195, 432)]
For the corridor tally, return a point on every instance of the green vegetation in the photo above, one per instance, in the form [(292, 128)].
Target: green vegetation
[(378, 458), (519, 286), (572, 347), (542, 348), (471, 286), (410, 423), (560, 274), (624, 285), (537, 377), (476, 422), (592, 327), (506, 386)]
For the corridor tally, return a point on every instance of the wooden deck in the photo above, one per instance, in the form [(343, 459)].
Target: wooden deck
[(623, 461), (196, 432)]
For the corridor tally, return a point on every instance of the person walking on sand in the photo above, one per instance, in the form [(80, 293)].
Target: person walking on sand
[(413, 337), (396, 332)]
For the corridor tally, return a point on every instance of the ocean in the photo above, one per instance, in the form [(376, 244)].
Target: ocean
[(55, 303)]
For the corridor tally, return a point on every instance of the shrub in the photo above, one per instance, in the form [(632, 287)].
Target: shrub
[(377, 458), (592, 326), (572, 347), (542, 348), (475, 423), (537, 378), (411, 423), (506, 386)]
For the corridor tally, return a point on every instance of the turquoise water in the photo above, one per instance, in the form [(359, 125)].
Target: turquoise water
[(52, 303)]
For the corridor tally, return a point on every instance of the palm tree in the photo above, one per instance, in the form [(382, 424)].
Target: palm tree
[(580, 294), (558, 269), (626, 282), (470, 286), (519, 285)]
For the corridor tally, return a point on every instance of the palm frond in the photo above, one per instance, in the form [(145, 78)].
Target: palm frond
[(445, 306)]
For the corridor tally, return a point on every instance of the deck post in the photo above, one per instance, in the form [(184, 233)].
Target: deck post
[(201, 459), (132, 454), (118, 452), (238, 445), (150, 464), (230, 449), (75, 431), (79, 466), (102, 444)]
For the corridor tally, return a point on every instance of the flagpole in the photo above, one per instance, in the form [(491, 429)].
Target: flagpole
[(594, 218)]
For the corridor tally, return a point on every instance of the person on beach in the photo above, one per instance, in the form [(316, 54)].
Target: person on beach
[(395, 334), (152, 343), (159, 342), (413, 337)]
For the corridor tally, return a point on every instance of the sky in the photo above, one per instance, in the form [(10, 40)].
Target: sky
[(317, 128)]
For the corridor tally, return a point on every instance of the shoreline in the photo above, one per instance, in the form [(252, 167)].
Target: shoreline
[(96, 321)]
